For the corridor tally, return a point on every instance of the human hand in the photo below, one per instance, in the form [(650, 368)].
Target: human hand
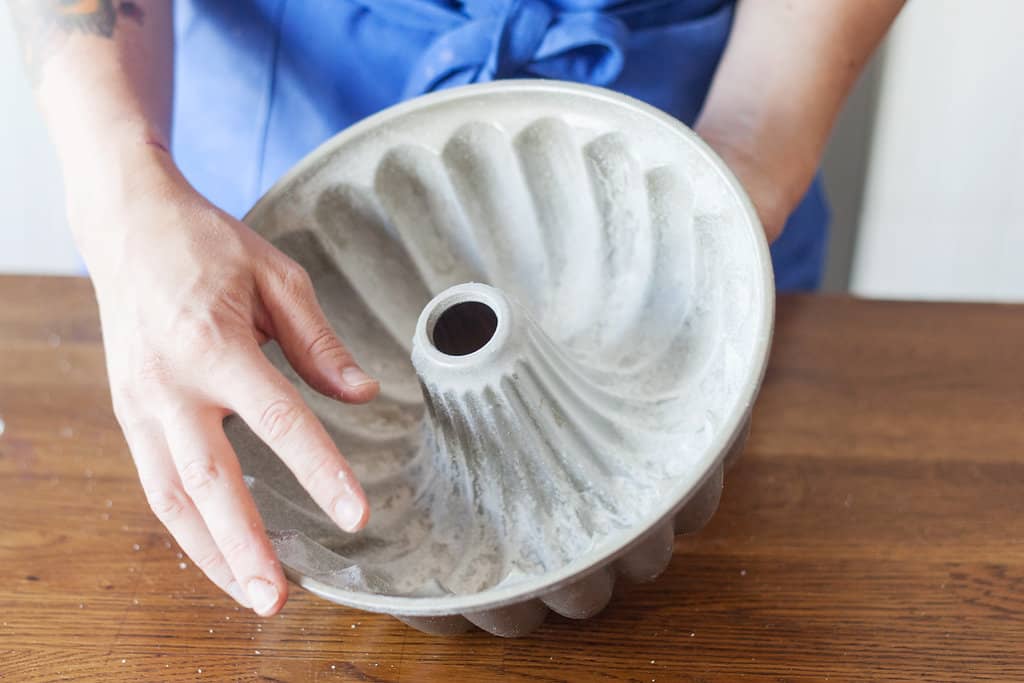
[(187, 295)]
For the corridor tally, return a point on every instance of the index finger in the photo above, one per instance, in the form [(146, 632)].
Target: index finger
[(276, 413)]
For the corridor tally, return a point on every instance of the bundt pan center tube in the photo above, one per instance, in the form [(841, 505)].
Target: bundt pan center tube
[(568, 300)]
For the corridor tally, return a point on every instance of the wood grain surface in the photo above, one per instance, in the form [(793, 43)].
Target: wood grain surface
[(874, 529)]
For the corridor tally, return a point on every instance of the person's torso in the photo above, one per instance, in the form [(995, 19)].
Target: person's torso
[(261, 83)]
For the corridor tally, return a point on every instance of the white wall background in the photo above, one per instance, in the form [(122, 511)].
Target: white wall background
[(943, 211), (33, 231)]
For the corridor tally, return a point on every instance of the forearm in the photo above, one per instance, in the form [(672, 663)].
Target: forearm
[(782, 81), (102, 72)]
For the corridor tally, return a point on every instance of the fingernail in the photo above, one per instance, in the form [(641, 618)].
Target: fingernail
[(354, 377), (263, 595), (235, 591), (348, 513)]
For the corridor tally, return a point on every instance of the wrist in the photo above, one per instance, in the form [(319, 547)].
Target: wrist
[(102, 162), (774, 149), (774, 168), (105, 187)]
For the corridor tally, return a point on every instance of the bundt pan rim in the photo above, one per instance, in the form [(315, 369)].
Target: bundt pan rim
[(675, 499)]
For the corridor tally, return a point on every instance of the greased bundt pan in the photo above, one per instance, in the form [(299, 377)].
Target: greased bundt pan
[(568, 300)]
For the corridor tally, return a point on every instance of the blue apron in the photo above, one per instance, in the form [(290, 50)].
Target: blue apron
[(261, 83)]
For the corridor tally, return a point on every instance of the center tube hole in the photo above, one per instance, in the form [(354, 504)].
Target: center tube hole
[(464, 328)]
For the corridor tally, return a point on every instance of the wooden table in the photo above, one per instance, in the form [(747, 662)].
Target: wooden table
[(873, 530)]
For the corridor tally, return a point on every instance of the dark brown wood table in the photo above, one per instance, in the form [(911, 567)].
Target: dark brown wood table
[(874, 529)]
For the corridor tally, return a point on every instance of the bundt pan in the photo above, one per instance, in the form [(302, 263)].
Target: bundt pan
[(568, 300)]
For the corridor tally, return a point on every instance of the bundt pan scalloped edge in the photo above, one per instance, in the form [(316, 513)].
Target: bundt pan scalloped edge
[(568, 300)]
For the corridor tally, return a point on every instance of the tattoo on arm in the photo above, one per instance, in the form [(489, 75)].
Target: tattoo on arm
[(42, 25)]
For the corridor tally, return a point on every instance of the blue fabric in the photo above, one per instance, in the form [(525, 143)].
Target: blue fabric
[(260, 83)]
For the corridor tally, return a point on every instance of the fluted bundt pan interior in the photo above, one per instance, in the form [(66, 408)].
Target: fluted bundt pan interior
[(568, 301)]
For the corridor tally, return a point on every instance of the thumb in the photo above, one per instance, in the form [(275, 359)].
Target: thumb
[(307, 340)]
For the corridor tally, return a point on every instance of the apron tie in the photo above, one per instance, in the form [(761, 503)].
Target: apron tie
[(508, 38)]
